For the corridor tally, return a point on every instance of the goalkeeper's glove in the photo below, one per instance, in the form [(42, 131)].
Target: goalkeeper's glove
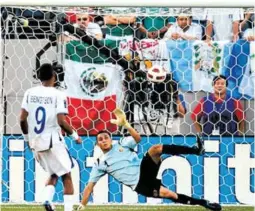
[(80, 207), (121, 118)]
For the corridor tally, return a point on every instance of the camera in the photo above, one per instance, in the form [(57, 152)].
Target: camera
[(59, 71)]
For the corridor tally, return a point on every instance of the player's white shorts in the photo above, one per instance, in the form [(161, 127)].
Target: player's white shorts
[(56, 160)]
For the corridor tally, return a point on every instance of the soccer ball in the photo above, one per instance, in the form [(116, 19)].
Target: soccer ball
[(156, 74)]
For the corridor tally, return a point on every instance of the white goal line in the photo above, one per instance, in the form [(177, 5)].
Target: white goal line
[(121, 205)]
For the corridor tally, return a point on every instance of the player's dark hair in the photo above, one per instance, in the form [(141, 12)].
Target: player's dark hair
[(45, 72), (218, 77), (102, 131)]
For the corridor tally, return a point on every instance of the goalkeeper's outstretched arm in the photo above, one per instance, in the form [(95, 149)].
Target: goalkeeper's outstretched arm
[(134, 134), (86, 194)]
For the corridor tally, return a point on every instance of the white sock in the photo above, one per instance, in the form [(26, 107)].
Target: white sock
[(48, 193), (68, 202)]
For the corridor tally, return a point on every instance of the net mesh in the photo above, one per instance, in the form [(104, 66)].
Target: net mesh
[(158, 65)]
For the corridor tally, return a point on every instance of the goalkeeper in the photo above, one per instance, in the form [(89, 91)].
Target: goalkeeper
[(120, 161)]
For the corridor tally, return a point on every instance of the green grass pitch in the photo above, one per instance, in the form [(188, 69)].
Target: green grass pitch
[(124, 208)]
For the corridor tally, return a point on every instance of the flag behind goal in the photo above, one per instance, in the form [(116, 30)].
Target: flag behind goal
[(92, 85)]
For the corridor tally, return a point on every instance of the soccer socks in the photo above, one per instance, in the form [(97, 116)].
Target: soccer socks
[(48, 193), (184, 199), (177, 150), (68, 202)]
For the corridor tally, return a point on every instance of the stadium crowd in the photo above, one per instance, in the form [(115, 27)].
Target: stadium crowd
[(196, 24)]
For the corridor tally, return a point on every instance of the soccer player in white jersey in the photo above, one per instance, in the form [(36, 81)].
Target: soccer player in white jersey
[(42, 117), (120, 161)]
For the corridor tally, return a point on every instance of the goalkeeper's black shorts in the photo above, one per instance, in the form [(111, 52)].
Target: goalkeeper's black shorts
[(148, 184)]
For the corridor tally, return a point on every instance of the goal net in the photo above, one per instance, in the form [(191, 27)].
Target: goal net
[(174, 71)]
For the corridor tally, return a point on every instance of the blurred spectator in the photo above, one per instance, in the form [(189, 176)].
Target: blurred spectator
[(119, 27), (92, 29), (218, 113), (181, 111), (198, 16), (249, 34), (248, 21), (184, 29), (169, 123), (247, 26), (154, 26), (161, 120), (224, 22)]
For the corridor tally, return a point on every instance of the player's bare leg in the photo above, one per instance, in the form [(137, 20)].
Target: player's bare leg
[(49, 191), (68, 192)]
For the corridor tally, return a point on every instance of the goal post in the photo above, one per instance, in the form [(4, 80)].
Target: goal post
[(175, 71), (132, 3)]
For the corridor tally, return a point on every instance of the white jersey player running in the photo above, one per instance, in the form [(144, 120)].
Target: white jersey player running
[(42, 117)]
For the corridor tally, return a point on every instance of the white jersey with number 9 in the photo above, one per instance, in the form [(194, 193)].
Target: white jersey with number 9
[(43, 104)]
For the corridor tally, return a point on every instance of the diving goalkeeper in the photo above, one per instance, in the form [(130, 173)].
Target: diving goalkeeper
[(120, 161)]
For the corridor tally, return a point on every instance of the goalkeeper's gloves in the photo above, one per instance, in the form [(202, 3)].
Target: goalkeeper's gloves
[(80, 207), (121, 119)]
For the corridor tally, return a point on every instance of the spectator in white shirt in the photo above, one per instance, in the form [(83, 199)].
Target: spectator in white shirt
[(198, 16), (184, 29), (92, 29), (249, 34), (224, 22), (247, 26)]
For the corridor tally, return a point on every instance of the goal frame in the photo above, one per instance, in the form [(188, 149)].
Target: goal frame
[(132, 3)]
